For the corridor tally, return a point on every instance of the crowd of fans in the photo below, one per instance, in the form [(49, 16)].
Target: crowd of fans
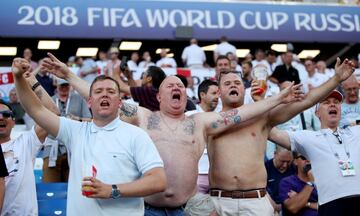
[(147, 103)]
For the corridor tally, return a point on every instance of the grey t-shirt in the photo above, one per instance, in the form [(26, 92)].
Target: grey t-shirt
[(319, 147)]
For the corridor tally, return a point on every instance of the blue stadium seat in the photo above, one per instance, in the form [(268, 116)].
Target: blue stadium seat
[(47, 191), (52, 207), (38, 176)]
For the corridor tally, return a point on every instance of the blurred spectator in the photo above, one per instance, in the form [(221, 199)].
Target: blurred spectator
[(45, 80), (278, 168), (193, 56), (321, 68), (88, 69), (246, 72), (314, 78), (27, 54), (223, 48), (259, 57), (208, 95), (146, 62), (191, 91), (222, 63), (270, 61), (166, 62), (3, 173), (350, 108), (285, 72), (355, 60), (297, 192), (102, 62), (132, 63), (233, 62), (114, 61), (248, 57), (70, 62), (15, 105), (146, 94), (72, 105)]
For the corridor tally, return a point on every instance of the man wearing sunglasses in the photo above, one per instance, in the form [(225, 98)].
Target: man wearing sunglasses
[(297, 192), (335, 157)]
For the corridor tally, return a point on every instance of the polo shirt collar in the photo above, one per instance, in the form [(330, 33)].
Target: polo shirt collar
[(109, 127)]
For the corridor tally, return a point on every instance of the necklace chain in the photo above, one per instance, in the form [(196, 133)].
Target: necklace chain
[(167, 125)]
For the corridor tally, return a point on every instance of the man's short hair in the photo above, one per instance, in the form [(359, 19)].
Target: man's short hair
[(204, 87), (6, 104), (270, 52), (248, 63), (102, 78), (157, 75), (183, 79), (220, 57), (222, 73)]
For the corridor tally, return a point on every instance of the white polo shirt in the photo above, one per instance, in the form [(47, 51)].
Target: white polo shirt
[(120, 152), (20, 192), (193, 55), (319, 147)]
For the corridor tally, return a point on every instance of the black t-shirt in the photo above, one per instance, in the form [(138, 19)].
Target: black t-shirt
[(282, 74), (3, 169)]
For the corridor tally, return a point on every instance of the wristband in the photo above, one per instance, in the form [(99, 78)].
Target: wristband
[(35, 86)]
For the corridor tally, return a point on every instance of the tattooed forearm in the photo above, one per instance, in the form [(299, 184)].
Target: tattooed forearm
[(128, 110), (153, 122), (228, 117), (189, 126)]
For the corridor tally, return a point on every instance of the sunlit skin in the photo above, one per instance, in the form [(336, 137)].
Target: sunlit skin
[(222, 65), (172, 96), (6, 125), (210, 99), (351, 90), (232, 90), (329, 113), (282, 160)]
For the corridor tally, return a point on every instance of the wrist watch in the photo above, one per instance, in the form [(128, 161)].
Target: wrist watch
[(312, 184), (115, 192)]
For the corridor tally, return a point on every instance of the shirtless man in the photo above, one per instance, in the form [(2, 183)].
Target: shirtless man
[(236, 156), (180, 140)]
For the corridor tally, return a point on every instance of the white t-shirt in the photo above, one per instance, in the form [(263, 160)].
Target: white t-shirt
[(193, 55), (120, 152), (88, 65), (101, 64), (132, 65), (224, 47), (319, 147), (145, 64), (315, 81), (20, 192), (167, 61)]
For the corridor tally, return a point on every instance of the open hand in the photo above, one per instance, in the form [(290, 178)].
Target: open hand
[(292, 93), (20, 66), (55, 66), (344, 70), (96, 188)]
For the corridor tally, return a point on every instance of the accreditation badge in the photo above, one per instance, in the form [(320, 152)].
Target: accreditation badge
[(346, 168)]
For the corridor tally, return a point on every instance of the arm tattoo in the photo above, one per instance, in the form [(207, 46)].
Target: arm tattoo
[(228, 117), (189, 126), (128, 110), (153, 122)]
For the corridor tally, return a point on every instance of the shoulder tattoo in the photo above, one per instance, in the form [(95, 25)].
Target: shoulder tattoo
[(128, 110), (153, 122), (228, 117), (189, 126)]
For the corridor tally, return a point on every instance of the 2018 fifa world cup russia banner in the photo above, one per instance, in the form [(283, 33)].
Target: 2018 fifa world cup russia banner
[(158, 20)]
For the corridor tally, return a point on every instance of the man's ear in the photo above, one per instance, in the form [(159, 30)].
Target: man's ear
[(202, 94), (148, 79)]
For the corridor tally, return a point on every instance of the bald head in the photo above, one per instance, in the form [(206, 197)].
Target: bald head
[(193, 41)]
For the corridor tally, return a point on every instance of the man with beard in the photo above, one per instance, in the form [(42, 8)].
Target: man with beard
[(179, 139), (237, 173)]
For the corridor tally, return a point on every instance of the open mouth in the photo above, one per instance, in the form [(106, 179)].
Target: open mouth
[(104, 104), (2, 124), (234, 92), (176, 96), (332, 112)]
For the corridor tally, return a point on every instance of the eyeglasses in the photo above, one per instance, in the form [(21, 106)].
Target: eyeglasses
[(301, 157), (6, 114)]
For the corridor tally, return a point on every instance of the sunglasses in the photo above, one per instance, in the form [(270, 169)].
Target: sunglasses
[(7, 114), (301, 157)]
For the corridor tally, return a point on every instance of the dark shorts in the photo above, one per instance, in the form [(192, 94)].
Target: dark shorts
[(159, 211)]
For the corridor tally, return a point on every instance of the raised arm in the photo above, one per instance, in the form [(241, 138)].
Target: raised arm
[(133, 114), (59, 69), (280, 137), (31, 103), (283, 113), (216, 123)]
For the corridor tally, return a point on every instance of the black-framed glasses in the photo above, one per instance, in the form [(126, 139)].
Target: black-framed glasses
[(301, 157), (6, 114)]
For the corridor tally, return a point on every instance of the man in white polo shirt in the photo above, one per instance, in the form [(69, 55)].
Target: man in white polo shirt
[(113, 164), (335, 157), (193, 56)]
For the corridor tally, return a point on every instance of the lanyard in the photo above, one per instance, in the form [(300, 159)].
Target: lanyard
[(67, 105), (341, 141)]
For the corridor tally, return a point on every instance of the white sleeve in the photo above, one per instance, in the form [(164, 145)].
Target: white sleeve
[(173, 62), (146, 155), (184, 54), (68, 128)]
